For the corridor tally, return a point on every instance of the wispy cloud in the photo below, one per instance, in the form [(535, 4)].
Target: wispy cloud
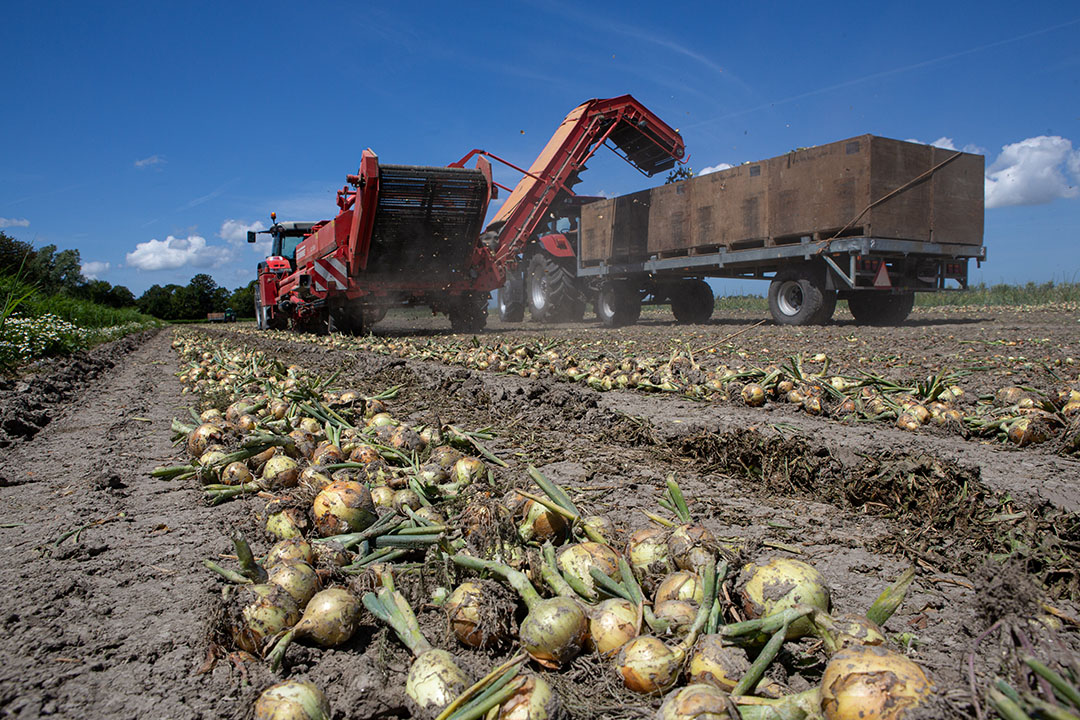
[(207, 197), (173, 252), (888, 73), (149, 161), (14, 222), (713, 168)]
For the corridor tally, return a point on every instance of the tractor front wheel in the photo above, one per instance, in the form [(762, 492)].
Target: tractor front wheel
[(468, 313)]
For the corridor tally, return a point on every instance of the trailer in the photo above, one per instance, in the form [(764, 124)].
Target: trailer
[(869, 220)]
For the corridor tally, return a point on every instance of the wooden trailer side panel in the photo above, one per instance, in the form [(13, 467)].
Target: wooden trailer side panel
[(958, 190), (597, 223)]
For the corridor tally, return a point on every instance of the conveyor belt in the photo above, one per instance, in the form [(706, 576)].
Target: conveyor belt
[(427, 220)]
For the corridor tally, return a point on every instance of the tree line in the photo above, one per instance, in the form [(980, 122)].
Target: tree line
[(54, 272)]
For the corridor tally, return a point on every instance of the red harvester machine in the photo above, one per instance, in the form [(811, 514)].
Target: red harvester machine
[(414, 235)]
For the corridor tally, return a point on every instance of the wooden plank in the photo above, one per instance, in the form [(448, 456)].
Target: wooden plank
[(893, 165), (631, 227), (819, 187), (669, 218), (958, 199), (729, 206), (597, 221)]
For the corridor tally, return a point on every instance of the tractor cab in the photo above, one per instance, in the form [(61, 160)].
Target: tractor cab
[(285, 237)]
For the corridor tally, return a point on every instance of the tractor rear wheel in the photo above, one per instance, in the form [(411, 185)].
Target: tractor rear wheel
[(468, 312), (345, 317), (692, 302), (511, 298), (551, 290)]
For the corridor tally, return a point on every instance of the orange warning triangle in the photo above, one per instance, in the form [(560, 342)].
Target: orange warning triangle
[(882, 277)]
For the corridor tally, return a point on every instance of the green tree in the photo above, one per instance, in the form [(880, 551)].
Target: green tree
[(242, 300), (12, 253), (119, 297)]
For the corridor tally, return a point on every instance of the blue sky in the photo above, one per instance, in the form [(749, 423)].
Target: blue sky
[(149, 136)]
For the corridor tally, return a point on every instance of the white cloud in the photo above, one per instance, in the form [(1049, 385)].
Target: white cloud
[(148, 161), (14, 222), (947, 143), (235, 231), (1034, 171), (713, 168), (94, 269), (173, 252)]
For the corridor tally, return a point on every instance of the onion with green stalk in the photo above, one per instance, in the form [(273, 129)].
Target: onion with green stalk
[(779, 584), (434, 679), (554, 630), (259, 612), (697, 702), (330, 618), (297, 578), (648, 555), (612, 624), (290, 549), (292, 700), (680, 585), (577, 560), (648, 665)]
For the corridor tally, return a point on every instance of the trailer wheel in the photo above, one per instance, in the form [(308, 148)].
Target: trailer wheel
[(345, 317), (618, 304), (692, 302), (468, 313), (799, 297), (881, 308), (551, 291), (510, 298)]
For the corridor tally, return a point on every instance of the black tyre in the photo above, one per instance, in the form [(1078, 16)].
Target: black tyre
[(510, 298), (468, 313), (692, 302), (799, 297), (551, 291), (345, 317), (618, 304), (260, 317), (881, 308)]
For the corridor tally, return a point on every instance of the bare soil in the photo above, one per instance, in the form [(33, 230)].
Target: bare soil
[(117, 618)]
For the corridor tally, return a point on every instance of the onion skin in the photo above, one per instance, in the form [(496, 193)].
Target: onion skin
[(296, 578), (289, 549), (343, 507), (578, 559), (292, 700), (680, 613), (696, 702), (280, 471), (465, 610), (554, 631), (780, 584), (871, 683), (268, 611), (612, 624), (648, 666), (691, 547), (434, 681), (201, 437), (535, 700), (716, 664), (541, 524), (236, 473), (681, 585), (647, 553), (330, 617)]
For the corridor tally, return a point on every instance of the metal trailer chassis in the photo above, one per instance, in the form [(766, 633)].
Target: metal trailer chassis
[(877, 276)]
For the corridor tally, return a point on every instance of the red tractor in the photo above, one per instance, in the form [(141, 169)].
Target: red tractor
[(414, 235)]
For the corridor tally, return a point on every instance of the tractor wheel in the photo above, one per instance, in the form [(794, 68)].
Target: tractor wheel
[(468, 313), (692, 302), (618, 304), (881, 308), (799, 297), (260, 318), (551, 291), (344, 317), (510, 298)]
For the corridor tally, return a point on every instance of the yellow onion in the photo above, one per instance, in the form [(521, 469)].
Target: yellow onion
[(679, 614), (292, 700), (691, 547), (303, 444), (476, 622), (467, 470), (309, 425), (612, 624), (534, 700), (696, 702), (256, 462), (434, 681), (278, 408), (407, 439), (383, 496), (753, 395), (235, 473), (445, 456), (405, 498), (343, 507), (327, 453), (541, 524), (554, 631), (265, 611), (314, 477), (649, 666), (331, 554), (211, 415), (373, 407), (1028, 430), (779, 584), (577, 560), (598, 526), (647, 553), (681, 585), (430, 514), (296, 578), (364, 454), (213, 456), (329, 619), (1010, 395), (846, 631), (381, 419), (717, 664), (201, 438), (871, 683), (290, 549), (280, 471), (288, 522)]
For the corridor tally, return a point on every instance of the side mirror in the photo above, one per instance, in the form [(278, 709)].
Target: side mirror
[(251, 236)]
